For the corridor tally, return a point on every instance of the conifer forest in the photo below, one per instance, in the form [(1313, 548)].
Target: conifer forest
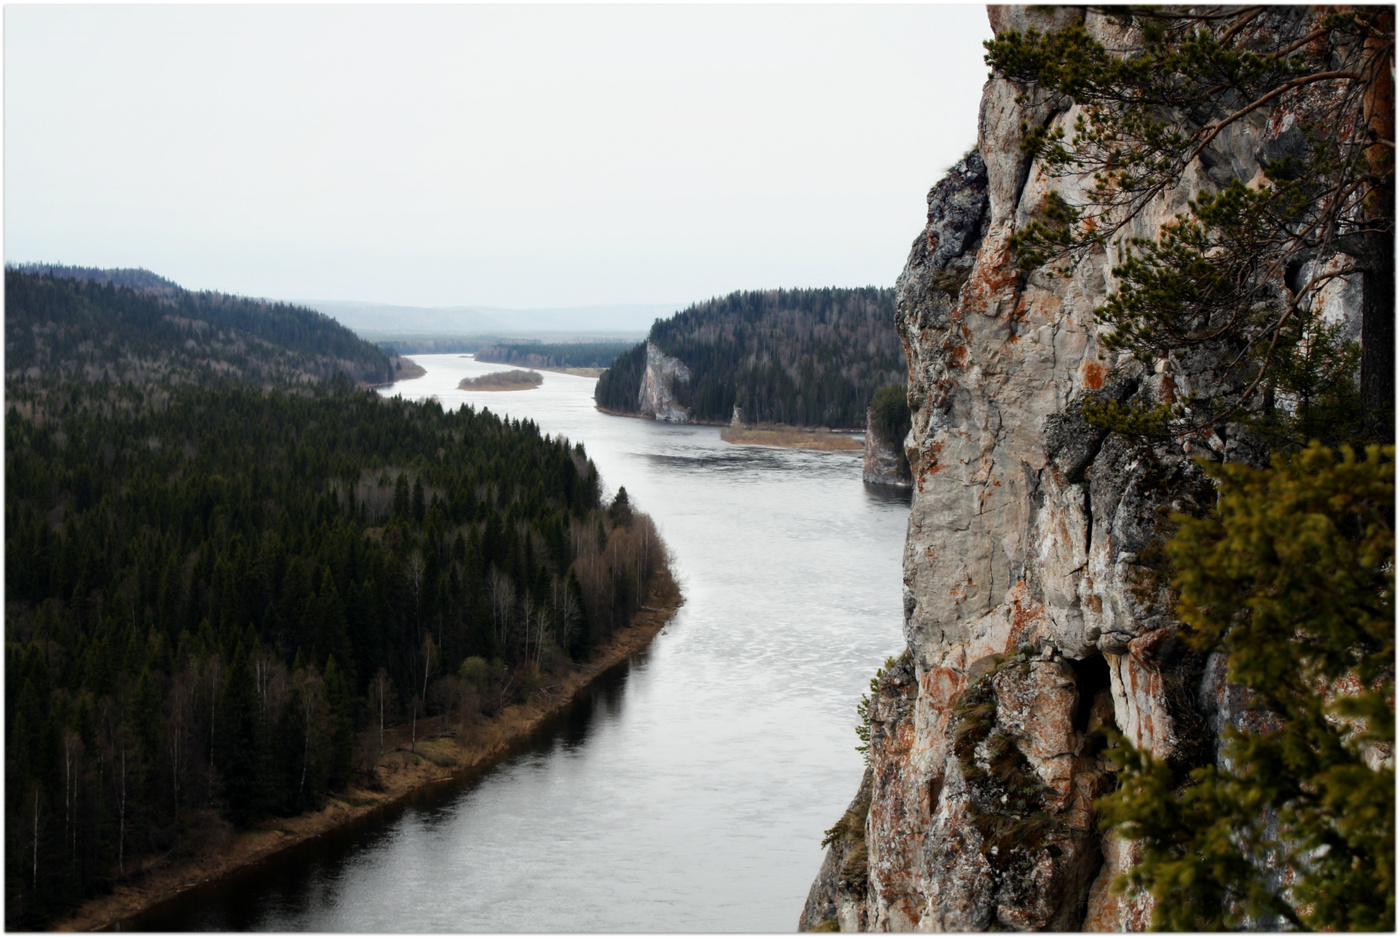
[(220, 567)]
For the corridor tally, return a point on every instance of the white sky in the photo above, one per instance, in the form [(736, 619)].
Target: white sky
[(517, 156)]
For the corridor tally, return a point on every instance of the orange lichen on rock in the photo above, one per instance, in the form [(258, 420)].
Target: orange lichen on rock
[(1092, 373)]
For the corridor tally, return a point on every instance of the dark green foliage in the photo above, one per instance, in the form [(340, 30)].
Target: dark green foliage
[(618, 386), (560, 355), (241, 752), (340, 709), (620, 512), (801, 357), (1316, 373), (1294, 579), (848, 836), (863, 711), (890, 409)]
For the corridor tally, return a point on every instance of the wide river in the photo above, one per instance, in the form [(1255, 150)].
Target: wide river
[(690, 789)]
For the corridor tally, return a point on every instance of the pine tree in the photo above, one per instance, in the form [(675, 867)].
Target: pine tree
[(1294, 579), (242, 762)]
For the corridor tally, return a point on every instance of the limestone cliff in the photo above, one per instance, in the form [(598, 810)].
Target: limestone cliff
[(1027, 533), (884, 462), (656, 397)]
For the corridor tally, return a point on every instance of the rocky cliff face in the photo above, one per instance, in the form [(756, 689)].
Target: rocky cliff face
[(656, 397), (883, 465), (1027, 534)]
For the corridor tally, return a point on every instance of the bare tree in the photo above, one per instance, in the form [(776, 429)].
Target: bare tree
[(566, 611), (215, 670), (500, 596), (381, 695), (429, 650), (178, 723), (414, 567), (313, 712), (72, 752)]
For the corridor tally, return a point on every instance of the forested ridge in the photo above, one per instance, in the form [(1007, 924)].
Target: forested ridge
[(64, 326), (214, 581), (135, 277), (808, 357), (554, 355)]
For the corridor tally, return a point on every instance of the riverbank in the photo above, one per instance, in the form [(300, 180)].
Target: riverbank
[(441, 753), (404, 370), (789, 437), (576, 372)]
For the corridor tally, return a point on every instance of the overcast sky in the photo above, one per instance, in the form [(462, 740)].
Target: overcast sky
[(516, 156)]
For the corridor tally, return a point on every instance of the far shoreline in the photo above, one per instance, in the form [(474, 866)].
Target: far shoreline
[(776, 435), (437, 757)]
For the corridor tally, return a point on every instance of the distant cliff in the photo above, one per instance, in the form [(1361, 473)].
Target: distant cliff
[(806, 357), (1029, 529), (656, 397)]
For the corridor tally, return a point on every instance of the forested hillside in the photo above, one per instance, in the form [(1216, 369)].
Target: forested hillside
[(221, 567), (208, 589), (805, 357), (60, 327), (555, 355)]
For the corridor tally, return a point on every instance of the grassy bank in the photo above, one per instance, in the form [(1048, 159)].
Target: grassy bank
[(790, 437), (445, 748)]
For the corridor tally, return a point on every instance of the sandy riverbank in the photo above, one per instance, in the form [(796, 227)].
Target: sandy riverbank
[(439, 755)]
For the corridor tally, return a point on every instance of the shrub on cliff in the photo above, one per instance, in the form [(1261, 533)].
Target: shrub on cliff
[(1294, 579), (891, 406)]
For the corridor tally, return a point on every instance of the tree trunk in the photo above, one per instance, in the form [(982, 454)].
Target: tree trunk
[(1378, 299), (1378, 331)]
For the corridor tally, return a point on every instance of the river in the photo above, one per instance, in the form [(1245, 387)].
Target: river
[(688, 791)]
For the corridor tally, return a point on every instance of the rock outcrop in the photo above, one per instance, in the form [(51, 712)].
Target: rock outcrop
[(885, 462), (656, 397), (1027, 561)]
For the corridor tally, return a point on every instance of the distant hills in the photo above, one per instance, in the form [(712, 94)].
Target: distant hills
[(132, 326), (806, 357)]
